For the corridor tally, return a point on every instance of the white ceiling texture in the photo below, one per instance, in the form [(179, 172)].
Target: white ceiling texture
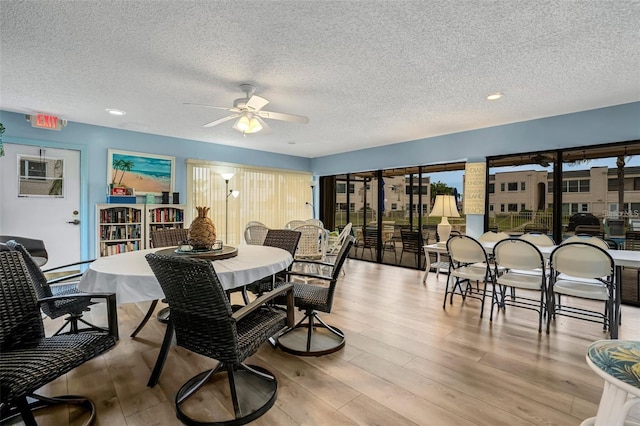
[(366, 73)]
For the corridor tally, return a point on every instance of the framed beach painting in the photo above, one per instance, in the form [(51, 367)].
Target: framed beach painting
[(145, 173)]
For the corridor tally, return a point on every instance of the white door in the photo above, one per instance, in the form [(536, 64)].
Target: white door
[(34, 206)]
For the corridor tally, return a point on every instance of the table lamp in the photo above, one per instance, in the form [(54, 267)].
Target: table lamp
[(444, 206)]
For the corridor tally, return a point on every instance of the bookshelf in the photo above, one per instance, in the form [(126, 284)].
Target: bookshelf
[(160, 216), (120, 228)]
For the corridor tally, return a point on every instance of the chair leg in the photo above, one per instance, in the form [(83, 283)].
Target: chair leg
[(162, 356), (25, 409), (307, 339), (253, 392), (152, 307)]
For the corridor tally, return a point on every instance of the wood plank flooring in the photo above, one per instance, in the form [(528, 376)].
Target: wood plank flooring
[(406, 362)]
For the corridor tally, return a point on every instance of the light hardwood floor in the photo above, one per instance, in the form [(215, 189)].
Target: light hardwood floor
[(406, 362)]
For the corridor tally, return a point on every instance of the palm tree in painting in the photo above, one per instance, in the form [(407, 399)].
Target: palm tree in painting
[(115, 166), (125, 166)]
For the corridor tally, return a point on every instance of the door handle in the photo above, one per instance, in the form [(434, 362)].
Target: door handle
[(74, 222)]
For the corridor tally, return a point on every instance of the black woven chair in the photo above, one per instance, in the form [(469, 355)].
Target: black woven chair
[(64, 285), (28, 359), (281, 238), (313, 296), (166, 237), (36, 248), (412, 243), (205, 323)]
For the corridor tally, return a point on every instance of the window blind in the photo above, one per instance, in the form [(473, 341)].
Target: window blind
[(271, 196)]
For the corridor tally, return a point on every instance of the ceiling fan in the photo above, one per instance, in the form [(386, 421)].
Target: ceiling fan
[(249, 114)]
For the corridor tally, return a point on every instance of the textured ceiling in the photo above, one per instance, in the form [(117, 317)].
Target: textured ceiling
[(366, 73)]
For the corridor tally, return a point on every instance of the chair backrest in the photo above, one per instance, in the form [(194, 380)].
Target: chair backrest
[(255, 234), (169, 237), (411, 240), (516, 253), (36, 248), (20, 318), (283, 238), (464, 249), (582, 260), (491, 236), (541, 240), (632, 240), (342, 237), (594, 241), (595, 230), (38, 279), (337, 267), (313, 241), (536, 228), (370, 236), (341, 227), (316, 222), (293, 224), (202, 315), (255, 222)]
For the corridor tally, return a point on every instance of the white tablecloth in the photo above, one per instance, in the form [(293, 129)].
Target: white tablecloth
[(130, 277)]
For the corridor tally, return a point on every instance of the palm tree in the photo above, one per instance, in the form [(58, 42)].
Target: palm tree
[(125, 166), (621, 161), (115, 166)]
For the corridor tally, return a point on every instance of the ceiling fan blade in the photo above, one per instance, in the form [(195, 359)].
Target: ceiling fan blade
[(284, 117), (222, 120), (210, 106), (256, 103)]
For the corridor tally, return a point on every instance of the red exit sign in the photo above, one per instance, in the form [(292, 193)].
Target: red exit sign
[(46, 121)]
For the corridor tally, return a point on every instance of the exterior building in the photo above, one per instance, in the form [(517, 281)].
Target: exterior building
[(399, 197), (594, 190)]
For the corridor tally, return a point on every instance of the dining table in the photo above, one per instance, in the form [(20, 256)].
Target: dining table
[(130, 277), (621, 259)]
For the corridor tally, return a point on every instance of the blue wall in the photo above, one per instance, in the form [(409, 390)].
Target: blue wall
[(94, 141), (612, 124)]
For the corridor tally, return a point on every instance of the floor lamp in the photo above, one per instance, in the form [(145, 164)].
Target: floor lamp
[(228, 192), (312, 184)]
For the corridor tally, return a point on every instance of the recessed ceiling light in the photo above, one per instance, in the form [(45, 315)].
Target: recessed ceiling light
[(494, 96), (115, 111)]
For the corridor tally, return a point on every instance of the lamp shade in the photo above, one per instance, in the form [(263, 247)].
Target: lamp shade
[(242, 124), (254, 126), (445, 206)]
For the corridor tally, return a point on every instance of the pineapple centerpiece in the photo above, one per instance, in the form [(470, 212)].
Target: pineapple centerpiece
[(202, 232)]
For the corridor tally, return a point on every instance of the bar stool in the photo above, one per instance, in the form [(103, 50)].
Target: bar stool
[(618, 363)]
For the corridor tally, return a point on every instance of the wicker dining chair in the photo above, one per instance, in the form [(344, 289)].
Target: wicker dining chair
[(165, 237), (281, 238), (169, 237), (255, 234), (35, 247), (313, 295), (29, 359), (205, 323), (64, 285)]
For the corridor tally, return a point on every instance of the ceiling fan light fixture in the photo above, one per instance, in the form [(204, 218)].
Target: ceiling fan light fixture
[(242, 124), (254, 126)]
